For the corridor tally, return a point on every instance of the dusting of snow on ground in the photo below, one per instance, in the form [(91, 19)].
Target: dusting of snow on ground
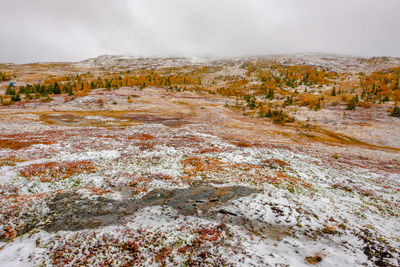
[(177, 179)]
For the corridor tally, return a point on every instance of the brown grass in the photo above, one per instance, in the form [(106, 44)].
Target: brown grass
[(19, 144), (142, 137), (209, 150), (344, 139), (194, 165), (319, 134), (283, 178), (10, 161), (56, 171), (318, 257), (278, 162), (242, 144)]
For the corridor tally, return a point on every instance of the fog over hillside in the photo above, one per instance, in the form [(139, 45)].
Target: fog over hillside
[(45, 30)]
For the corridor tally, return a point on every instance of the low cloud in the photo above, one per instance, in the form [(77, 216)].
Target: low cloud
[(45, 30)]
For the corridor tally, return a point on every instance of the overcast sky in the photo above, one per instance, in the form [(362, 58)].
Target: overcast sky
[(72, 30)]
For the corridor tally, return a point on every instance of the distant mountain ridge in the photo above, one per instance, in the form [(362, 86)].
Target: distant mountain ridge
[(336, 63)]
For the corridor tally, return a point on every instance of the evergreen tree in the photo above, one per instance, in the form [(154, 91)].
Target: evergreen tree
[(288, 101), (395, 112), (270, 94), (363, 94), (351, 105), (333, 93), (10, 90), (318, 105), (56, 89)]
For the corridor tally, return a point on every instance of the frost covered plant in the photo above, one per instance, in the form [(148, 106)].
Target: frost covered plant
[(318, 257), (55, 171), (16, 210), (124, 246)]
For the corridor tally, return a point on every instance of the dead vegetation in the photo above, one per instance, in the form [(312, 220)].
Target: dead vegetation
[(258, 149), (56, 171), (21, 141)]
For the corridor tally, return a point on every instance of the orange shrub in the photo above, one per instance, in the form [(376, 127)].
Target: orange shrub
[(243, 144), (17, 144), (55, 171), (142, 137), (194, 165)]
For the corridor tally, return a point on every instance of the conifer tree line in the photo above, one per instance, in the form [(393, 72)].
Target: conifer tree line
[(273, 81), (72, 85)]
